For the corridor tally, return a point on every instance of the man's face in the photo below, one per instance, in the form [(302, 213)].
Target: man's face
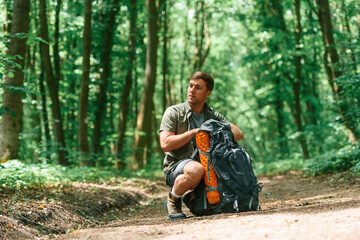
[(197, 92)]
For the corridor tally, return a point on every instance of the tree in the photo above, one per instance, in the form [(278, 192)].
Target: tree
[(166, 99), (297, 82), (84, 89), (143, 126), (333, 68), (202, 32), (53, 87), (105, 74), (124, 102), (13, 83)]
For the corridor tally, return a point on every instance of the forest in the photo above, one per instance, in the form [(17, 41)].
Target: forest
[(84, 84)]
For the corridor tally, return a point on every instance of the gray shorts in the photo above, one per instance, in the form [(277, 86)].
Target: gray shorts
[(170, 178)]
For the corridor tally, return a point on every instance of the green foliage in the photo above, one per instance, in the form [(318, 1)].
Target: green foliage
[(335, 161), (279, 166), (349, 83), (17, 175), (251, 58)]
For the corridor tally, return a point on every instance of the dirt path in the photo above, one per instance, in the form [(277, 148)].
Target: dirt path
[(293, 207)]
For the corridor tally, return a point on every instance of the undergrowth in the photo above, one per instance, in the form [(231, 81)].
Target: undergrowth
[(346, 158), (333, 161), (16, 175)]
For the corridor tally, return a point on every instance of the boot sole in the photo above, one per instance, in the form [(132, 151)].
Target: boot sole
[(176, 216)]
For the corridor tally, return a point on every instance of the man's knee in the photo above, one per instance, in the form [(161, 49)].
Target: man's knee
[(194, 169)]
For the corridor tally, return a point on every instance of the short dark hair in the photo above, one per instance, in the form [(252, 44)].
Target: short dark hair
[(206, 77)]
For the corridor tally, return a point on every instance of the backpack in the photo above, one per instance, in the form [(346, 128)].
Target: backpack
[(236, 181)]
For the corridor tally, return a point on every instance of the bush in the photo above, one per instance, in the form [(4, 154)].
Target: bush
[(335, 161)]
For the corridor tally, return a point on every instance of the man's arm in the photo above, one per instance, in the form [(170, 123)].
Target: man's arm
[(169, 141), (238, 134)]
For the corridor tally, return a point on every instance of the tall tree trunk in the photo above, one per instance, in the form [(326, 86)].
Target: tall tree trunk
[(106, 72), (333, 69), (279, 108), (125, 103), (185, 61), (56, 41), (298, 80), (143, 126), (12, 100), (276, 11), (166, 98), (84, 89), (53, 87), (202, 33), (44, 110)]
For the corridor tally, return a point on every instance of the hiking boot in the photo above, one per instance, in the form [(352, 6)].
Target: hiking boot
[(173, 207)]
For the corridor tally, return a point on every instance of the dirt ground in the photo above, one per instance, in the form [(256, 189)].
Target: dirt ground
[(293, 207)]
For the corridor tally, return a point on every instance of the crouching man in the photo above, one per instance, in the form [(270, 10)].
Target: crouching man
[(177, 137)]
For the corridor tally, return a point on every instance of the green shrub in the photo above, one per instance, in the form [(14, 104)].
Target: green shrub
[(335, 161)]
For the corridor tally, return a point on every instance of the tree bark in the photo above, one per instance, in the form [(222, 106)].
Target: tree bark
[(125, 103), (45, 118), (166, 97), (185, 61), (53, 87), (298, 80), (143, 126), (276, 11), (106, 72), (333, 69), (12, 98), (201, 52), (84, 88), (56, 42)]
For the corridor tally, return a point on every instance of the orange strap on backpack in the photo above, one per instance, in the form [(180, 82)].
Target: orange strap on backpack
[(203, 144)]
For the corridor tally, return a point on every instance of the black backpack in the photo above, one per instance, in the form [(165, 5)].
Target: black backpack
[(237, 183)]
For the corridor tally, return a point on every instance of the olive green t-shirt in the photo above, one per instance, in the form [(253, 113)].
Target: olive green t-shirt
[(176, 119)]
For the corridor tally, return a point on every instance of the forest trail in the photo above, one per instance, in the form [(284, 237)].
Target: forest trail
[(293, 207)]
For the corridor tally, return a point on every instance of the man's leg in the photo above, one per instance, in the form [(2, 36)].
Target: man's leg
[(193, 173), (187, 177)]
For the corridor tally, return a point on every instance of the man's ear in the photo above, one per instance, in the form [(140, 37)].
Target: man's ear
[(208, 94)]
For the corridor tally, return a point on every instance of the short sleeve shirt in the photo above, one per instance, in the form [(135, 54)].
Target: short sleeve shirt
[(176, 119)]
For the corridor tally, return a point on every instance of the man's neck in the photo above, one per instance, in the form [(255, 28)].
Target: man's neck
[(198, 108)]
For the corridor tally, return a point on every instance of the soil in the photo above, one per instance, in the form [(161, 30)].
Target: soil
[(293, 207)]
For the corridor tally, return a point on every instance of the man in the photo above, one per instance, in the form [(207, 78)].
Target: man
[(177, 137)]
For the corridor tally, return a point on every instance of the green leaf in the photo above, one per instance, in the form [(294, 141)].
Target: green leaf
[(11, 74)]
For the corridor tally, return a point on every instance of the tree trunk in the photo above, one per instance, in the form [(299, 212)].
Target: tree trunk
[(166, 98), (279, 108), (125, 103), (84, 89), (276, 11), (53, 87), (202, 33), (298, 80), (12, 98), (143, 126), (45, 118), (333, 68), (56, 42), (185, 61), (106, 67)]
